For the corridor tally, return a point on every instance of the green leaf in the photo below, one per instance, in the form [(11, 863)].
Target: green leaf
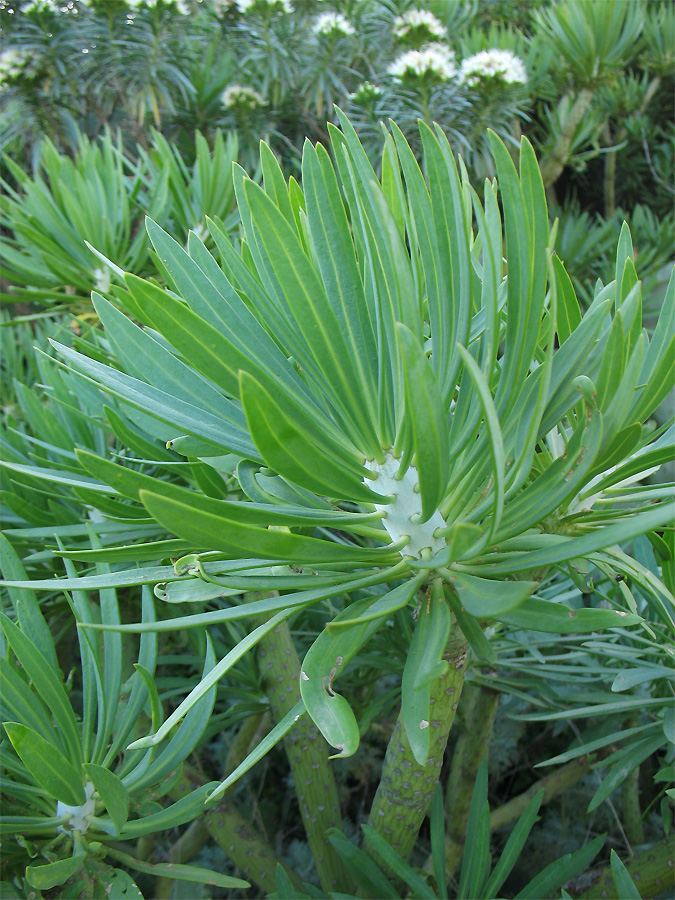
[(583, 545), (223, 531), (294, 446), (493, 432), (177, 871), (450, 301), (112, 792), (270, 740), (514, 846), (424, 663), (53, 874), (624, 884), (476, 859), (291, 278), (486, 599), (18, 702), (627, 760), (48, 766), (324, 661), (471, 630), (397, 864), (559, 872), (568, 313), (383, 606), (367, 873), (428, 422), (333, 254), (556, 618), (28, 612), (166, 407), (48, 687), (210, 679)]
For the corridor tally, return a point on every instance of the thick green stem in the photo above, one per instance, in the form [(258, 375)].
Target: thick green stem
[(406, 787), (553, 786), (188, 845), (249, 852), (652, 870), (308, 757), (555, 161), (479, 708)]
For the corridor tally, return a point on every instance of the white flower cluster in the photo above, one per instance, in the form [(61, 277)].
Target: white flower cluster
[(245, 6), (436, 60), (65, 6), (181, 6), (333, 23), (495, 63), (366, 93), (420, 21), (11, 63), (242, 96)]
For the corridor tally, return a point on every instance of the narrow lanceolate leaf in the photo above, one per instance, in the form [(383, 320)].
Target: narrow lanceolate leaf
[(333, 252), (294, 448), (484, 598), (494, 435), (224, 532), (28, 612), (130, 482), (190, 417), (526, 248), (112, 792), (48, 686), (427, 420), (514, 846), (48, 766), (147, 359), (585, 544), (290, 275), (568, 312), (476, 859), (178, 872), (326, 659), (385, 605), (424, 664), (209, 680), (270, 740), (555, 618)]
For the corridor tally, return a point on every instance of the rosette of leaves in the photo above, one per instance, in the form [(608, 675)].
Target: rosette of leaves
[(397, 409), (72, 792)]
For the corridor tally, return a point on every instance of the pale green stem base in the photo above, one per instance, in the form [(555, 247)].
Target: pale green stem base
[(554, 162), (406, 787), (308, 756)]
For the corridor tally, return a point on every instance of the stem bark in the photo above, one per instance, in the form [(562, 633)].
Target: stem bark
[(406, 788), (554, 162)]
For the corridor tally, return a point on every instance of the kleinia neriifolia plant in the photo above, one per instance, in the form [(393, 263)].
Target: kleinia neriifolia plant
[(405, 420)]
